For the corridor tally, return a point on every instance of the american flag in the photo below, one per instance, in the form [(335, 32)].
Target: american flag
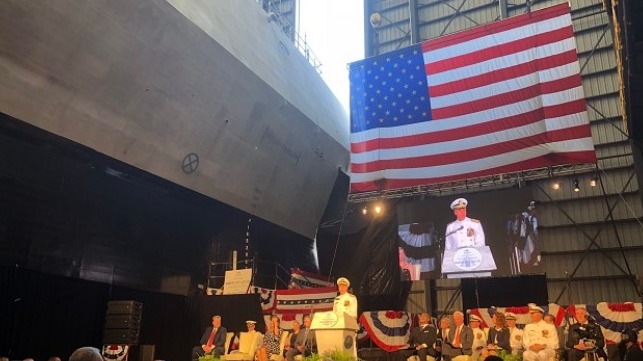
[(498, 98)]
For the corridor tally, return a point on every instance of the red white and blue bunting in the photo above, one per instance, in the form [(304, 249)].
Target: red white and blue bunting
[(390, 330)]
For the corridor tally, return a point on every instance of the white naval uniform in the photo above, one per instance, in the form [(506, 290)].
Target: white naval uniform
[(479, 341), (539, 333), (465, 233), (515, 340), (346, 303)]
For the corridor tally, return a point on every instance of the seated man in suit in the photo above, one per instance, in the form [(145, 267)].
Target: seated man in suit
[(580, 333), (422, 340), (460, 339), (304, 342), (212, 341)]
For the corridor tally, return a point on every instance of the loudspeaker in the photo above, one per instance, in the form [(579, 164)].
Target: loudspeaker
[(146, 352), (122, 323)]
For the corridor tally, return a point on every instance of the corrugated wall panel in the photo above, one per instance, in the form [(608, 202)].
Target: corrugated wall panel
[(603, 131), (449, 297), (592, 291), (416, 303), (565, 239)]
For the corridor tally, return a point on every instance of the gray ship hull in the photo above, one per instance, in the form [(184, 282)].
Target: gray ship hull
[(150, 82)]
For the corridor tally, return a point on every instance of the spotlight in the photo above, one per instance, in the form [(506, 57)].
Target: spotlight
[(593, 182), (376, 20), (555, 185), (364, 210), (576, 187), (378, 209)]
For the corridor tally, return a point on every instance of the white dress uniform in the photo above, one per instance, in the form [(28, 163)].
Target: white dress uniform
[(465, 233), (346, 303), (539, 333), (515, 340), (479, 342)]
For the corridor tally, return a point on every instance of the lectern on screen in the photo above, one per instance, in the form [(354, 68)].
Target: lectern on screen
[(498, 237)]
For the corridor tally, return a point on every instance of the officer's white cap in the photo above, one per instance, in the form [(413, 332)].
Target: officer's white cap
[(474, 318), (535, 308), (343, 281), (459, 203), (251, 322), (510, 316)]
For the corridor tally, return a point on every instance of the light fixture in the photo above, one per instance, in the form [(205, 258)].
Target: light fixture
[(576, 188), (378, 209), (555, 185), (364, 210), (376, 20), (593, 182)]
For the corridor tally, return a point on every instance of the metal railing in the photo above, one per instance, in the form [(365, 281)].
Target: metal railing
[(287, 28)]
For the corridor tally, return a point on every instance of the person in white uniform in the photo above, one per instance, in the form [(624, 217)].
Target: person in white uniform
[(464, 231), (515, 334), (540, 338), (479, 338), (345, 302)]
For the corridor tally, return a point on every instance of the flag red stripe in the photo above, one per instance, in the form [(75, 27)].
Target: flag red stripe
[(510, 97), (499, 50), (472, 130), (469, 154), (579, 157), (503, 74), (497, 27)]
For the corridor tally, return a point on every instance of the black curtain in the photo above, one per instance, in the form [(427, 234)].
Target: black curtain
[(504, 291), (366, 253)]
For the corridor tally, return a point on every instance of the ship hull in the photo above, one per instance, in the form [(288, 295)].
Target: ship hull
[(208, 95)]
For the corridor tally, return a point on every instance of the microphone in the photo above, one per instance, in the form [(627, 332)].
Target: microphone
[(455, 230)]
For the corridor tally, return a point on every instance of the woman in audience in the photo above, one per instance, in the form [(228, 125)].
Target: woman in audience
[(498, 336), (271, 340)]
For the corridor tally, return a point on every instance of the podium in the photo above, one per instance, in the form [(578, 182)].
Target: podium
[(468, 262), (335, 332)]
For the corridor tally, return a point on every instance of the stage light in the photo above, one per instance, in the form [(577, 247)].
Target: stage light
[(378, 209), (593, 182), (364, 210), (576, 187), (555, 185)]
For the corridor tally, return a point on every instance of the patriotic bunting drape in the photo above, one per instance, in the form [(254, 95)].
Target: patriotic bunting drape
[(497, 98)]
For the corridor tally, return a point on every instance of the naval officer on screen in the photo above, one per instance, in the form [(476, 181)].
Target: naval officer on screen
[(464, 231)]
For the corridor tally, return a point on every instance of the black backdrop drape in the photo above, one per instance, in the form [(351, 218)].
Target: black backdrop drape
[(44, 315), (367, 255)]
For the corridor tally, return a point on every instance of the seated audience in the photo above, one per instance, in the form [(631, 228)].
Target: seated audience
[(579, 335), (459, 339), (515, 334), (212, 341), (292, 338), (629, 349), (479, 337), (271, 340), (540, 339), (422, 340), (305, 342), (86, 354), (498, 338)]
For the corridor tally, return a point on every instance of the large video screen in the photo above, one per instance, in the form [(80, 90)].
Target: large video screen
[(486, 234)]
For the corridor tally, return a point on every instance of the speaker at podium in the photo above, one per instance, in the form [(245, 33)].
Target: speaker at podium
[(335, 332), (468, 262)]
